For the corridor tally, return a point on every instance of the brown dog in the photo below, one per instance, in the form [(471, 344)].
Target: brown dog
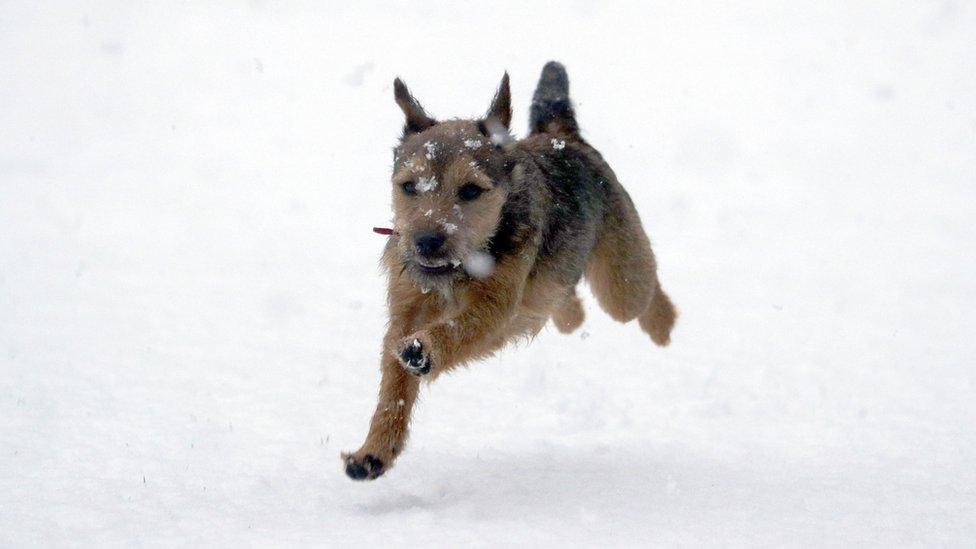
[(491, 237)]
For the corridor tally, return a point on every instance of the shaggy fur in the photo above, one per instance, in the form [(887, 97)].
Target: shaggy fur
[(492, 236)]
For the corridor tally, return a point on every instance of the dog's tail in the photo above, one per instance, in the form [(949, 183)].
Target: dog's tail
[(552, 111)]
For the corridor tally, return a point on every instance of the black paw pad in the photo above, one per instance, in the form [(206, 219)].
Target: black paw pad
[(367, 468), (414, 359)]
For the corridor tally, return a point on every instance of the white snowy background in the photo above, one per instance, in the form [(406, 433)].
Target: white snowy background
[(191, 305)]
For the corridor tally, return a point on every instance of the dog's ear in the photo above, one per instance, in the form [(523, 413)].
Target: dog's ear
[(501, 105), (417, 119)]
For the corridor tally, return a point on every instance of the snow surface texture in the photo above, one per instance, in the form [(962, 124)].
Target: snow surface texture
[(191, 310)]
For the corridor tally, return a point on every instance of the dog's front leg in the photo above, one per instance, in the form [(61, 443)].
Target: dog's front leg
[(388, 428), (398, 390), (474, 332)]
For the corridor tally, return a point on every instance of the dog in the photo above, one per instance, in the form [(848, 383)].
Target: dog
[(491, 237)]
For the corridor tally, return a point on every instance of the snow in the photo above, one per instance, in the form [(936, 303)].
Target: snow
[(498, 134), (479, 264), (191, 308), (425, 184)]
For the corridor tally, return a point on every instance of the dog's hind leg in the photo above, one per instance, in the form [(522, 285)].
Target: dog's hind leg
[(622, 272), (658, 320), (569, 314)]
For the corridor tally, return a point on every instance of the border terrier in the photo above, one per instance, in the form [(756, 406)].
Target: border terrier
[(491, 236)]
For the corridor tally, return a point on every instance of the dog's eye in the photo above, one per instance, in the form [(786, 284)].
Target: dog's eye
[(469, 192), (409, 188)]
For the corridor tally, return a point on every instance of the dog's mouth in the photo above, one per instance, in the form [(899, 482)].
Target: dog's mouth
[(434, 266)]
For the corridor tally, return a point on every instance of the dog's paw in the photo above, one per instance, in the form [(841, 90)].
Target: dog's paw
[(414, 356), (367, 467)]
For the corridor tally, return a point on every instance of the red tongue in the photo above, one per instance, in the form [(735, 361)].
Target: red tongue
[(383, 230)]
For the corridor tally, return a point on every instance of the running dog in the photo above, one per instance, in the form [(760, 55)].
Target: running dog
[(491, 236)]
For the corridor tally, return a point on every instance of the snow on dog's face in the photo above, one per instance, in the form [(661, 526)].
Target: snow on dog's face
[(449, 190), (446, 204)]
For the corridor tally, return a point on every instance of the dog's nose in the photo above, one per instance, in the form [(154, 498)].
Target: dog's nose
[(428, 243)]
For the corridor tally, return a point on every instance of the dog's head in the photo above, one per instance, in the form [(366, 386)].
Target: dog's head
[(450, 183)]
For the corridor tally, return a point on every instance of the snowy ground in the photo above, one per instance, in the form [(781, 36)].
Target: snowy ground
[(190, 305)]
